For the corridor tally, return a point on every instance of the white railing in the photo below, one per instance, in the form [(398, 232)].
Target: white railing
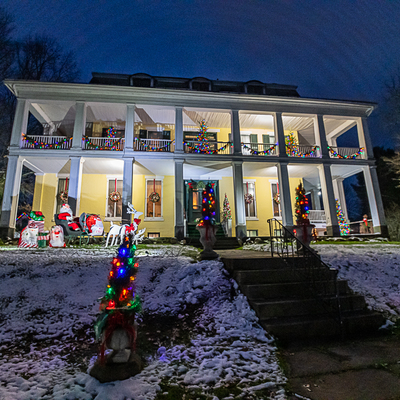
[(46, 142), (302, 151), (153, 145), (259, 149), (208, 147), (317, 216), (347, 152), (101, 143)]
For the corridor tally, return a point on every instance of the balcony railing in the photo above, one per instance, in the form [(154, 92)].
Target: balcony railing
[(208, 148), (317, 216), (347, 152), (153, 145), (258, 149), (302, 151), (101, 143), (46, 142)]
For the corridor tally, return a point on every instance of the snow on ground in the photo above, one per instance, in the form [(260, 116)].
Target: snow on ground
[(48, 303), (371, 269)]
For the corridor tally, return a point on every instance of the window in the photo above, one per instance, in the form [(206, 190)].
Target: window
[(161, 135), (153, 235), (114, 209), (276, 201), (63, 186), (153, 208), (252, 233), (250, 199)]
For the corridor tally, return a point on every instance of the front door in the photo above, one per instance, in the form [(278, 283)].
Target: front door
[(194, 198)]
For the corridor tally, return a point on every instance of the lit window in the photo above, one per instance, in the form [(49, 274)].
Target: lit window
[(252, 233), (114, 208), (250, 199), (153, 198), (153, 235), (276, 199)]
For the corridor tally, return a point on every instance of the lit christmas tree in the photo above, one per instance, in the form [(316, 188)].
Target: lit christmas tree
[(208, 206), (301, 206), (120, 303), (344, 225), (203, 146), (292, 145), (226, 210)]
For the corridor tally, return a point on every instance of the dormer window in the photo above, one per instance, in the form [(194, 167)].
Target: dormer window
[(201, 84)]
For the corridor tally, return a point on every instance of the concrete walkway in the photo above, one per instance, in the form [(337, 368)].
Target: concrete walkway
[(366, 369)]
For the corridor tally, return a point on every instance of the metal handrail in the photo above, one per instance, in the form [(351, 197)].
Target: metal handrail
[(307, 265)]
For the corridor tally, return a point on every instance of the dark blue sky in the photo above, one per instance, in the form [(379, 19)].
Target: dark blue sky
[(331, 49)]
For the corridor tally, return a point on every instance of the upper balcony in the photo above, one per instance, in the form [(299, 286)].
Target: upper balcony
[(102, 127)]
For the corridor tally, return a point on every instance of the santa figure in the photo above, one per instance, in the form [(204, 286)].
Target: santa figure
[(28, 237), (66, 214), (57, 236), (95, 225)]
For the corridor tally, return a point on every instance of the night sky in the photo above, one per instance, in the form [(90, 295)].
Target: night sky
[(330, 49)]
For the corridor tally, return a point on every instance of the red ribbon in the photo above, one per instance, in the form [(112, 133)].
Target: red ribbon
[(115, 184), (66, 185)]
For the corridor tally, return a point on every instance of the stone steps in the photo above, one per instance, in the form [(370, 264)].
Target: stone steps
[(290, 307)]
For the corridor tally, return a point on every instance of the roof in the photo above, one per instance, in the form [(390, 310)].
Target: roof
[(196, 84)]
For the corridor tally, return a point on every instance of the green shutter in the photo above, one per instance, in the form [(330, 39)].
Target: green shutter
[(253, 140)]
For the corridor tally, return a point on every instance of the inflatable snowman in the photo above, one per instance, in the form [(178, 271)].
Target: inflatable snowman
[(57, 236), (28, 237)]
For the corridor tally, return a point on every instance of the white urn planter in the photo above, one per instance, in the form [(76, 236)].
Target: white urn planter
[(207, 239)]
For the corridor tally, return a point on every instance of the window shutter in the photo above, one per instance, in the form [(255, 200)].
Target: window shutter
[(266, 139)]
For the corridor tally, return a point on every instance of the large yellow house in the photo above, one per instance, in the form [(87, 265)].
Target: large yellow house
[(139, 134)]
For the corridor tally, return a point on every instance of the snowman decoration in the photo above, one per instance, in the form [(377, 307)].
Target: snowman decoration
[(28, 237), (57, 237)]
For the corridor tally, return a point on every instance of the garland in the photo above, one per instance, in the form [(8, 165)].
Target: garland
[(262, 153), (151, 148), (207, 151), (352, 156), (42, 145), (111, 146)]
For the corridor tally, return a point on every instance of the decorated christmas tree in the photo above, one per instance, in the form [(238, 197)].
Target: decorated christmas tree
[(120, 303), (203, 145), (343, 224), (301, 206), (226, 210), (292, 145), (208, 206)]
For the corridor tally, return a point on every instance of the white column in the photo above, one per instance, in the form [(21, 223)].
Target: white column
[(20, 124), (129, 127), (235, 127), (74, 186), (10, 196), (179, 200), (240, 212), (321, 135), (364, 139), (127, 189), (178, 130), (328, 198), (279, 134), (338, 190), (375, 200), (79, 125), (284, 188)]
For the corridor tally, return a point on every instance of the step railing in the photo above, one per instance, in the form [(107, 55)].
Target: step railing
[(319, 278)]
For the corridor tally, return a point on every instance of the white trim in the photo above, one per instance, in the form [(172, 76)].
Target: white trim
[(151, 178), (108, 179), (275, 182), (255, 217)]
